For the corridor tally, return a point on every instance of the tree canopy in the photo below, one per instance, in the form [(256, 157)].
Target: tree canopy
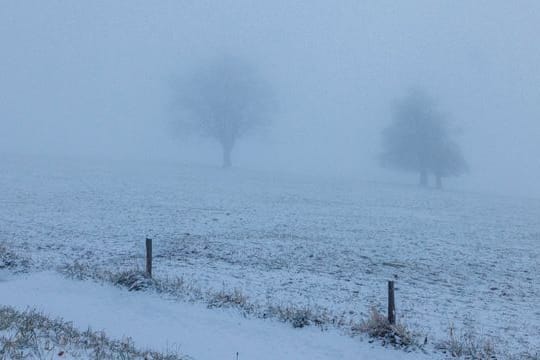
[(224, 100), (419, 139)]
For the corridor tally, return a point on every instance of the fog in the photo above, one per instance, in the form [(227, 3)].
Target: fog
[(96, 79)]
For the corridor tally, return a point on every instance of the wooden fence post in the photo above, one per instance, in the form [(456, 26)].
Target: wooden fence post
[(391, 304), (149, 257)]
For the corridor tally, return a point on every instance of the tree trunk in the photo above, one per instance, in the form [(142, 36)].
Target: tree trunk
[(423, 178), (439, 181), (227, 150)]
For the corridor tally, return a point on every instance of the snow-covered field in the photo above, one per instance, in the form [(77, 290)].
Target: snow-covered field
[(463, 259)]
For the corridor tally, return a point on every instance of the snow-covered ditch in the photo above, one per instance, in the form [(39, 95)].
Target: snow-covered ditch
[(170, 326)]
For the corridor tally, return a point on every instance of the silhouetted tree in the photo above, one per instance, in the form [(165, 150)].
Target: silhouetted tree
[(224, 100), (420, 140)]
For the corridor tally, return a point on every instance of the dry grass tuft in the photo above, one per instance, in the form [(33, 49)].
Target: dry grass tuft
[(467, 345), (11, 260), (377, 326)]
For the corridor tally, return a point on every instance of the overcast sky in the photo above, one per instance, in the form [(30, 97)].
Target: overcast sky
[(96, 78)]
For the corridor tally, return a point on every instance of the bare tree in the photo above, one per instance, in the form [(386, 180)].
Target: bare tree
[(419, 139), (224, 100)]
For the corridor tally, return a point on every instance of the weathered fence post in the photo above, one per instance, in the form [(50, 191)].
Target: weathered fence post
[(149, 257), (391, 303)]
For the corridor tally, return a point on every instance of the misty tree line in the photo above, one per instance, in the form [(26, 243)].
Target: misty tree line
[(225, 100)]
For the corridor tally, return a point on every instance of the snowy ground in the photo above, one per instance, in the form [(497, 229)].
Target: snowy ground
[(461, 258), (191, 329)]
